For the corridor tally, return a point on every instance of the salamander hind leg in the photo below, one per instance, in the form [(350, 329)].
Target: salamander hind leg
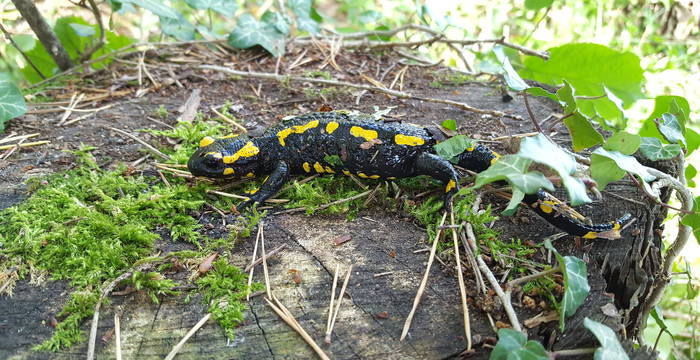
[(270, 187), (441, 169)]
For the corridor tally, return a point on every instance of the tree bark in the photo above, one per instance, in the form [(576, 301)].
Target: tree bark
[(44, 32)]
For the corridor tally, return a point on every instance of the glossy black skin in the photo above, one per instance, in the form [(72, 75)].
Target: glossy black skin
[(379, 157)]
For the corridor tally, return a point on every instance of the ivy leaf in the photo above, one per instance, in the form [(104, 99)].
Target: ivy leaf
[(590, 68), (538, 91), (12, 102), (539, 149), (604, 170), (514, 81), (626, 163), (514, 345), (690, 173), (538, 4), (224, 7), (623, 142), (512, 168), (565, 96), (453, 146), (576, 286), (664, 104), (610, 348), (583, 134), (654, 150), (449, 124), (658, 317), (693, 139), (671, 129), (302, 13), (155, 6), (249, 32), (179, 28), (279, 21), (516, 198)]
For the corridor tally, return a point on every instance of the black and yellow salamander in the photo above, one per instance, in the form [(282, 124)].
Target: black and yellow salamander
[(340, 143)]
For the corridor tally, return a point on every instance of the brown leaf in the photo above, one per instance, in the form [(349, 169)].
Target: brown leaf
[(325, 108), (392, 254), (206, 265), (502, 325), (341, 240), (107, 336), (296, 276), (382, 315)]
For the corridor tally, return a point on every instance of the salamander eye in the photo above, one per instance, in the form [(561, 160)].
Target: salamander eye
[(211, 161)]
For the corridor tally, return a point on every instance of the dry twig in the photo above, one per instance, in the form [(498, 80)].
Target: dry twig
[(187, 336), (339, 301)]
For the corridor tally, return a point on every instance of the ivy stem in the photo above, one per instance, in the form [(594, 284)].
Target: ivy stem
[(572, 352), (529, 112)]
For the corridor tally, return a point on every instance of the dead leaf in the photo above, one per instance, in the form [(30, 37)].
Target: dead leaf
[(206, 265), (382, 315), (609, 309), (343, 239), (541, 318)]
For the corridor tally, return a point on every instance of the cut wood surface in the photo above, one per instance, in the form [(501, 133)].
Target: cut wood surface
[(374, 309)]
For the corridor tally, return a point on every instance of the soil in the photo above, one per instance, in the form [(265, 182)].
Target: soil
[(372, 316)]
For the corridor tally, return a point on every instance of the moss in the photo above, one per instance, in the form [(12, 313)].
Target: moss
[(318, 74), (223, 288)]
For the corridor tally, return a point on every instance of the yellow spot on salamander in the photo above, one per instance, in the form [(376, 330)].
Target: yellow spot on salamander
[(207, 140), (331, 126), (250, 174), (450, 185), (470, 149), (329, 170), (252, 191), (248, 150), (496, 157), (374, 176), (362, 175), (357, 131), (391, 178), (408, 140), (229, 136), (307, 167), (318, 167), (591, 235), (298, 129), (228, 171), (616, 226), (215, 155), (547, 206), (346, 172)]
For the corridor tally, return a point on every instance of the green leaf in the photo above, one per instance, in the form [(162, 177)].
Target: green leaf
[(626, 163), (671, 129), (590, 68), (512, 168), (654, 150), (42, 60), (83, 30), (179, 28), (11, 100), (514, 81), (664, 104), (693, 220), (302, 13), (610, 348), (604, 170), (155, 6), (565, 96), (659, 318), (539, 149), (576, 286), (623, 142), (583, 134), (515, 199), (513, 345), (538, 4), (277, 20), (249, 32), (369, 17), (450, 124), (693, 139), (453, 146), (224, 7), (690, 173), (538, 91)]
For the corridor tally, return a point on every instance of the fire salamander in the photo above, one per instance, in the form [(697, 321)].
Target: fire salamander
[(336, 142)]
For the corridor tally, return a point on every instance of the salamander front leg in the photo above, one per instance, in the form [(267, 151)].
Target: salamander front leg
[(441, 169), (270, 187)]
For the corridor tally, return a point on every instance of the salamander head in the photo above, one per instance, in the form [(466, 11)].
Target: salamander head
[(224, 158)]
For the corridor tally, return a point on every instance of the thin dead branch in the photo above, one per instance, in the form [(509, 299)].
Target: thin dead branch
[(339, 301), (395, 93), (135, 138), (187, 336)]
